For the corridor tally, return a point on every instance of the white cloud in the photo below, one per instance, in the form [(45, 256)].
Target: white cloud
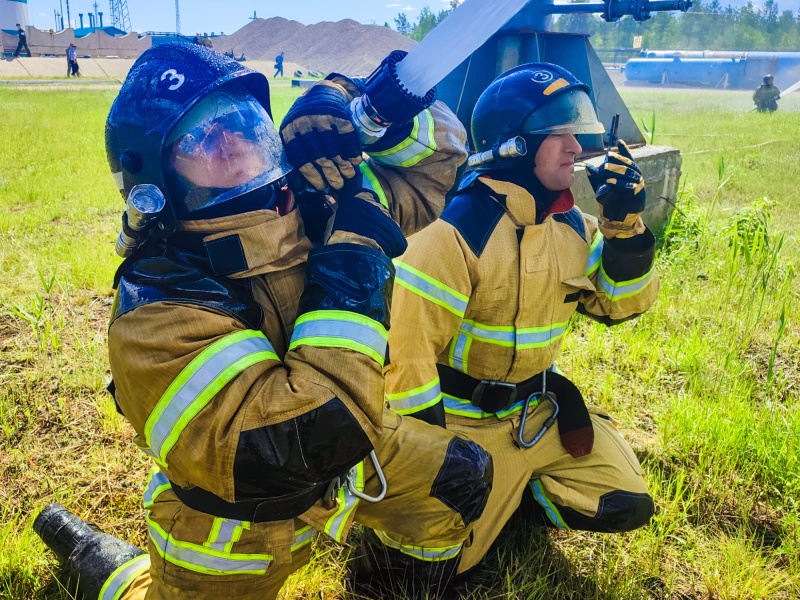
[(42, 15), (392, 5), (409, 7)]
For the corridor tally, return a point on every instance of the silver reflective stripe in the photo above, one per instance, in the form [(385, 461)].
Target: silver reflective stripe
[(123, 577), (596, 254), (414, 400), (193, 558), (341, 329), (525, 338), (230, 530), (436, 292), (460, 353), (464, 408), (303, 537), (427, 554), (156, 483), (544, 501), (616, 291), (196, 384), (482, 332), (419, 145)]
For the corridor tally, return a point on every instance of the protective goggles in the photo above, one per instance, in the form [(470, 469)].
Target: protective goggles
[(569, 112), (224, 147)]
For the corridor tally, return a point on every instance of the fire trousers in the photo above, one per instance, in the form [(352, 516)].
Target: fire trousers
[(436, 487)]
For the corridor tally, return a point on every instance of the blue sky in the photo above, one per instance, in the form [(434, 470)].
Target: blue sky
[(230, 15)]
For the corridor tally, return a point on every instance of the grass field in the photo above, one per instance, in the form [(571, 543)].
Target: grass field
[(705, 384)]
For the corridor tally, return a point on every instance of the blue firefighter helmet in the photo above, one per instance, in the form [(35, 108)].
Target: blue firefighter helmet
[(197, 125), (535, 99)]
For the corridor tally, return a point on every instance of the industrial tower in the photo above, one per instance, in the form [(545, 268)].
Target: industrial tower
[(177, 17), (120, 17)]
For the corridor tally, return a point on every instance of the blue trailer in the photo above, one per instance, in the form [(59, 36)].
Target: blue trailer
[(713, 68)]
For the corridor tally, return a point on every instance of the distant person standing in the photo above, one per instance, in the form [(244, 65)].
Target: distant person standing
[(23, 42), (72, 58), (766, 96), (278, 65), (196, 39), (206, 41)]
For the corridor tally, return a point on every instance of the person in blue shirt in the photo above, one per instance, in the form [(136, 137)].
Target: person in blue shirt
[(23, 42), (278, 65)]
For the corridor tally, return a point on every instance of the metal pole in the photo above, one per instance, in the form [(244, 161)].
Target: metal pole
[(69, 19), (177, 17)]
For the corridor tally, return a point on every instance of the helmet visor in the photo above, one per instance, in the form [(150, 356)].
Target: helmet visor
[(225, 146), (569, 112)]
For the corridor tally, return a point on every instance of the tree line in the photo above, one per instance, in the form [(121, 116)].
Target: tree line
[(706, 26)]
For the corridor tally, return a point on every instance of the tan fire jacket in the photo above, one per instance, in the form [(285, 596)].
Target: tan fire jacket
[(195, 378), (490, 293)]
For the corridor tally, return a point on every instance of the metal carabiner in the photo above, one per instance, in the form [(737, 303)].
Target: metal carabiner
[(352, 478), (548, 422)]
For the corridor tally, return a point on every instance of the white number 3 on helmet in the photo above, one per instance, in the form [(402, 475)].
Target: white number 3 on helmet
[(173, 76)]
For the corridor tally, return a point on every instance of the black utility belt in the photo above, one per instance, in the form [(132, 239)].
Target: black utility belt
[(574, 422), (260, 510), (488, 395)]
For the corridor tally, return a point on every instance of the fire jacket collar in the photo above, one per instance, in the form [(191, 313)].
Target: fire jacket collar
[(250, 244), (520, 204)]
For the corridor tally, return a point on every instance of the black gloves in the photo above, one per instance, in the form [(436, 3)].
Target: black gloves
[(359, 212), (320, 140), (619, 188)]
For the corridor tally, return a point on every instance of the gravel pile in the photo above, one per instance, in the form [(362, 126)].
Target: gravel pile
[(344, 47)]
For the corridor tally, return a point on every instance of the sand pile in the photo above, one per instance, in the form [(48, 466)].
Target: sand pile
[(344, 47)]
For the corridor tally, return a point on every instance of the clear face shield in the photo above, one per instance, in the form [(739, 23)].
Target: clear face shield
[(224, 147), (570, 112)]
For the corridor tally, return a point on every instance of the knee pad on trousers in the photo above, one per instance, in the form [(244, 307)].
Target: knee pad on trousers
[(379, 571), (617, 512), (464, 479)]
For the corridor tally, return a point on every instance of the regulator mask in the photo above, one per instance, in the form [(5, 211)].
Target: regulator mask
[(224, 156)]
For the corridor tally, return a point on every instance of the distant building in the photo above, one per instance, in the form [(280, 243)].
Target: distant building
[(13, 12)]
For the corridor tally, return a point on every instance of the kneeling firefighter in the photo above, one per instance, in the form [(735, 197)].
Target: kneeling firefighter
[(249, 358), (483, 298)]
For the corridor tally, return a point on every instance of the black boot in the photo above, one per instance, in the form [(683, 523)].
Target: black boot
[(88, 556), (377, 571)]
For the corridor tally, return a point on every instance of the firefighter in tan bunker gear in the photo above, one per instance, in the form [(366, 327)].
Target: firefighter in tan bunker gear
[(249, 358), (483, 298)]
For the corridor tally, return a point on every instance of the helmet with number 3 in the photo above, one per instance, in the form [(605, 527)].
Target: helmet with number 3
[(198, 126)]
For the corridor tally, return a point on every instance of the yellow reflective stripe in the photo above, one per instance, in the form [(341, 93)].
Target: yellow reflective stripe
[(465, 408), (371, 182), (415, 400), (341, 329), (624, 289), (538, 337), (420, 144), (429, 288), (200, 559), (303, 537), (225, 533), (552, 512), (418, 552), (489, 334), (123, 577), (347, 503), (595, 254), (157, 482), (199, 382), (459, 352)]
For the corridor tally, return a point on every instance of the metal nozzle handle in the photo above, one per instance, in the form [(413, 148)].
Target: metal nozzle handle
[(513, 148)]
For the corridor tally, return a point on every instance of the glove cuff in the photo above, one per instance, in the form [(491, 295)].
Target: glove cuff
[(631, 226)]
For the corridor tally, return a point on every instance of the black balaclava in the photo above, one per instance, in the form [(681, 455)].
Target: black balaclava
[(522, 174)]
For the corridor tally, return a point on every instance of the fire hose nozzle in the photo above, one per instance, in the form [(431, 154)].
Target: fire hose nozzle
[(144, 205), (386, 100), (513, 148)]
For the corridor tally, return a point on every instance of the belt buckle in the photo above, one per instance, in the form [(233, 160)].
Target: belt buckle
[(477, 394)]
